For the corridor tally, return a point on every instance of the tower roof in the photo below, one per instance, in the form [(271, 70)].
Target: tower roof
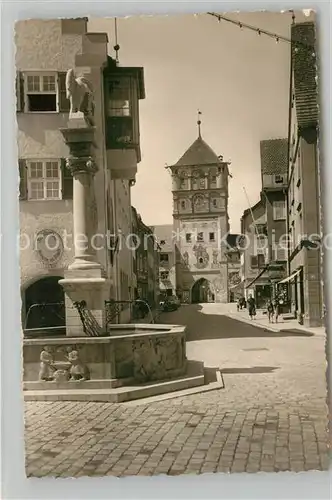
[(199, 153)]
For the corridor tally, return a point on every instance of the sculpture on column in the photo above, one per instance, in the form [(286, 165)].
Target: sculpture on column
[(80, 94)]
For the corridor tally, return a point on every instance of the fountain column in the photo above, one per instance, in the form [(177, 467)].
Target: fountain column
[(85, 278)]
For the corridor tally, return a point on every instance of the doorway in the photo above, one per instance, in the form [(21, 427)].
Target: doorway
[(44, 304), (201, 291)]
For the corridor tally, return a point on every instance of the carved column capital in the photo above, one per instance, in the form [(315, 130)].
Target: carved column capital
[(85, 164)]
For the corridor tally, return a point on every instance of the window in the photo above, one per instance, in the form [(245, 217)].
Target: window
[(261, 260), (182, 183), (261, 229), (200, 237), (41, 92), (188, 237), (119, 102), (279, 179), (213, 182), (164, 257), (279, 210), (183, 205), (257, 261), (280, 254), (44, 180), (211, 237), (214, 203), (164, 275)]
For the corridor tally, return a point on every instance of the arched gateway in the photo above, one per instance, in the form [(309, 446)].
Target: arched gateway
[(44, 304), (202, 292)]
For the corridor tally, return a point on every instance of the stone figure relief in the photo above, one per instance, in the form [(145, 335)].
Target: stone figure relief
[(80, 94), (46, 370), (154, 358), (78, 370), (71, 368)]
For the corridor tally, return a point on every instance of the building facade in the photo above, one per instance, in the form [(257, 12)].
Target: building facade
[(264, 260), (200, 221), (304, 212), (233, 255), (46, 50), (146, 261), (167, 269), (253, 258)]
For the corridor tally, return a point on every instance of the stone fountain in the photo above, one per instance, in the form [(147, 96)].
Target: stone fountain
[(93, 362)]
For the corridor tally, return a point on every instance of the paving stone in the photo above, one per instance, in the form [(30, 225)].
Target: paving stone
[(260, 421)]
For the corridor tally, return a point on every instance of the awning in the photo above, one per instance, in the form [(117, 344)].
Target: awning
[(258, 276), (289, 278)]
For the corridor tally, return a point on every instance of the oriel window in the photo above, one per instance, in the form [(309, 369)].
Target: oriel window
[(119, 100)]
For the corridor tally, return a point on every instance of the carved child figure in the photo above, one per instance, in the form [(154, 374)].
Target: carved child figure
[(46, 365), (78, 371)]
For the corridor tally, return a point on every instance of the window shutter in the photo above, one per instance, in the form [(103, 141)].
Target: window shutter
[(23, 179), (64, 103), (19, 92), (67, 182)]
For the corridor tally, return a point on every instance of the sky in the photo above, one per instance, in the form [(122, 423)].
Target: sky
[(238, 79)]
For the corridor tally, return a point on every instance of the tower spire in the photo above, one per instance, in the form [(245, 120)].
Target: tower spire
[(199, 122)]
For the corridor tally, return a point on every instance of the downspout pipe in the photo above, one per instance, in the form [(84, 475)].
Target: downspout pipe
[(290, 105)]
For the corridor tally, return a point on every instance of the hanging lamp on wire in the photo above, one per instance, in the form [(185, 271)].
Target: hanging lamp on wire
[(277, 37)]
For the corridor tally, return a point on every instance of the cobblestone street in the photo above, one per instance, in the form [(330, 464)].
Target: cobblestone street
[(271, 415)]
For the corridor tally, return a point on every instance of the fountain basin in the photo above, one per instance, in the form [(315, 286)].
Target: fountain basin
[(129, 356)]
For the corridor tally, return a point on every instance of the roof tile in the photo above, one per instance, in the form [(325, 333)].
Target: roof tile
[(274, 156), (305, 72), (199, 153)]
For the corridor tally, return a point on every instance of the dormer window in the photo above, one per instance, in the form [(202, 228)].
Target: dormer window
[(279, 179)]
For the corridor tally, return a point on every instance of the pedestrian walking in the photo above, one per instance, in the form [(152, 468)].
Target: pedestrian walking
[(276, 310), (251, 307), (270, 311)]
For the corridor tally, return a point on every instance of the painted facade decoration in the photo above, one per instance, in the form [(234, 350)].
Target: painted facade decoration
[(202, 257)]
